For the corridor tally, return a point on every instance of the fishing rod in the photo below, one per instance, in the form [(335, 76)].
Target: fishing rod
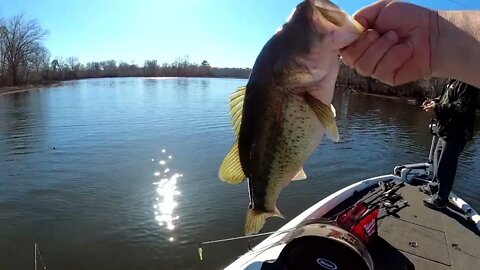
[(37, 251), (200, 246), (379, 195)]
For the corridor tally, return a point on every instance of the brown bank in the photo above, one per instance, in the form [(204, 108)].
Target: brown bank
[(22, 88)]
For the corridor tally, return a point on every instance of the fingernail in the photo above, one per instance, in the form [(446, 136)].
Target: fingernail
[(392, 36)]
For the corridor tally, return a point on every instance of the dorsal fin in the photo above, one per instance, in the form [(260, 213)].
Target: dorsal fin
[(236, 108), (231, 169)]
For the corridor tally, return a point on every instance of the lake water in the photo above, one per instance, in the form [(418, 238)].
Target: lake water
[(122, 173)]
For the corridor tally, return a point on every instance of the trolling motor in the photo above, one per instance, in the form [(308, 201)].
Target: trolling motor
[(410, 173)]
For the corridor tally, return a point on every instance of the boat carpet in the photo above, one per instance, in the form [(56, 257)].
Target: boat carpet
[(417, 237)]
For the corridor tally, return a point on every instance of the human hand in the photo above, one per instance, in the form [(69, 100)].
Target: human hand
[(426, 102), (429, 105), (396, 47)]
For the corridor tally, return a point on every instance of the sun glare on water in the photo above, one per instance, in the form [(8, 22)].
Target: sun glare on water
[(166, 195)]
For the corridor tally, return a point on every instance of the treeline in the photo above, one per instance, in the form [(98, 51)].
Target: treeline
[(349, 79), (25, 60), (71, 68)]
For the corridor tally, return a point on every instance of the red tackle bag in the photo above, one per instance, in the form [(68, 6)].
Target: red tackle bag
[(361, 221)]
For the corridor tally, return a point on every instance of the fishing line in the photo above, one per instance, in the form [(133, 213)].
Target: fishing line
[(458, 3)]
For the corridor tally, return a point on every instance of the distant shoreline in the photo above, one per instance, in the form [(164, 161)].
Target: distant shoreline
[(405, 99)]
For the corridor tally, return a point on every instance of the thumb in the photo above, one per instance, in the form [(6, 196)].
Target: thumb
[(368, 15)]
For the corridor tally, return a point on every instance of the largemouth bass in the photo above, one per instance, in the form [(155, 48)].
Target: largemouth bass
[(283, 112)]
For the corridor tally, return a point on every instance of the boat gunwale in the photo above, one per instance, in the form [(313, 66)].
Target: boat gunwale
[(320, 208), (323, 206)]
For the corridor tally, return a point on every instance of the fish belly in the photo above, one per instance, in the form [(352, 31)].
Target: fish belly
[(301, 134)]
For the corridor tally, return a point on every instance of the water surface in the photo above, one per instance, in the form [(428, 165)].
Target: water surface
[(122, 173)]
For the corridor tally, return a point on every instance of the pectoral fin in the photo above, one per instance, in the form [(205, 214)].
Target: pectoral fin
[(300, 175), (326, 116), (231, 170)]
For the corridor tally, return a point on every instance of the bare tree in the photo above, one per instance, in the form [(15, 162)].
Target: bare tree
[(123, 68), (40, 58), (72, 64), (151, 67), (21, 39), (110, 68), (3, 31), (39, 63), (94, 69)]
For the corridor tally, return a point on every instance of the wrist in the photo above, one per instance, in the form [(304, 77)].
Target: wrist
[(454, 52), (435, 60), (442, 60)]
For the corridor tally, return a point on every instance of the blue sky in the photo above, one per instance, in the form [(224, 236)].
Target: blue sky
[(224, 32)]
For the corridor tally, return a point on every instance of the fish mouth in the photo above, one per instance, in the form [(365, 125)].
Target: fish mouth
[(343, 29), (329, 13), (340, 19)]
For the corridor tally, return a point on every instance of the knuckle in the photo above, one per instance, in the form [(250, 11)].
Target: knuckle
[(364, 68), (387, 40), (347, 60), (394, 82), (363, 72), (390, 83), (384, 75), (384, 78)]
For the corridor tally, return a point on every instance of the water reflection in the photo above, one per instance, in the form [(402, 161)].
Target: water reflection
[(21, 123), (204, 84), (166, 194), (151, 82), (183, 83)]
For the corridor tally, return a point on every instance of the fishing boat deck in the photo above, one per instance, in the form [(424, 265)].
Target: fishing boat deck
[(417, 237)]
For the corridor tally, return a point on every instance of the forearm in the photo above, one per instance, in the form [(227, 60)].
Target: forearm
[(455, 46)]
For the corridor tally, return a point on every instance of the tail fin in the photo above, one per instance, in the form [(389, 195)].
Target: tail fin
[(256, 220)]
